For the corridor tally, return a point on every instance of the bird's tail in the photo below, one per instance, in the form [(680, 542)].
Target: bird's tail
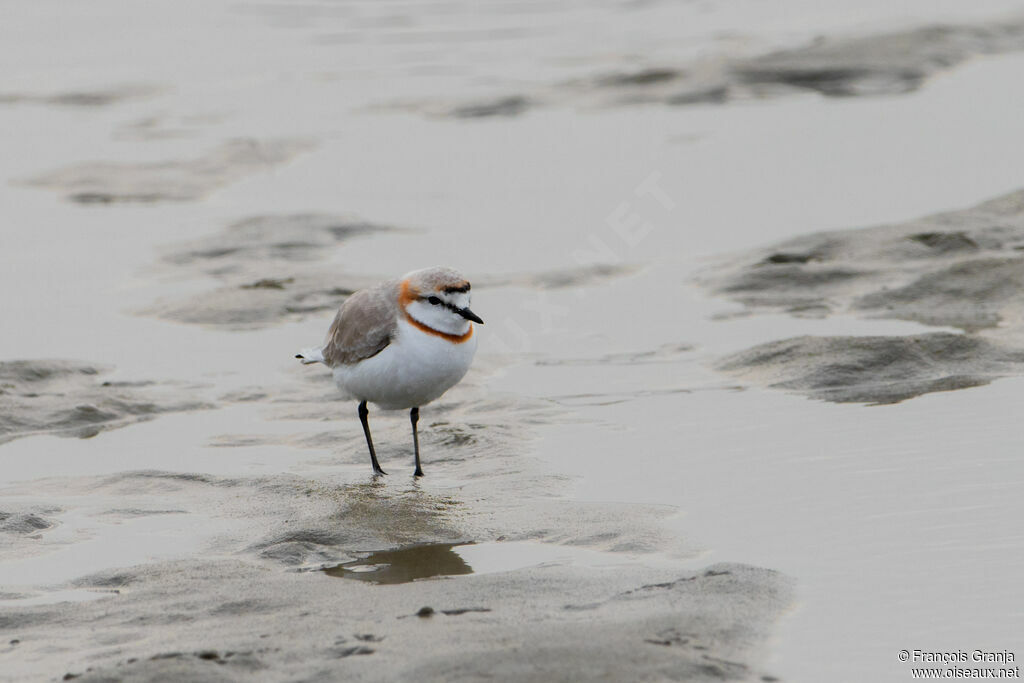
[(310, 356)]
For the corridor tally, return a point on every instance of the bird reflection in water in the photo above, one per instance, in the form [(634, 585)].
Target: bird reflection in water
[(405, 564)]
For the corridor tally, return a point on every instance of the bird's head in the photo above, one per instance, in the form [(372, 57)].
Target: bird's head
[(438, 298)]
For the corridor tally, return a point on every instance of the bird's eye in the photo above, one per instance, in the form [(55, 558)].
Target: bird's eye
[(434, 300)]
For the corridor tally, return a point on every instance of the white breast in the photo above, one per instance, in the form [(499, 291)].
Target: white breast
[(415, 369)]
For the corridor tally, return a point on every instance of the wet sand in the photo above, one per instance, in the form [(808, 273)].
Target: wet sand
[(631, 483)]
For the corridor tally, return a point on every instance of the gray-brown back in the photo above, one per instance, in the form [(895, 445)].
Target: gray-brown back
[(364, 325)]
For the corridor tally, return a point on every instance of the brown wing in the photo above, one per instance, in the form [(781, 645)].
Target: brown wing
[(364, 326)]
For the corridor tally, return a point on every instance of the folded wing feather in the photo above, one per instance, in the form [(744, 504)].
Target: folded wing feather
[(364, 326)]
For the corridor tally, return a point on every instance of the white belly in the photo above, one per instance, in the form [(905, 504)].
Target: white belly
[(413, 370)]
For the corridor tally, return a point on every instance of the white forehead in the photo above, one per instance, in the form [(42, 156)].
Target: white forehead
[(460, 299)]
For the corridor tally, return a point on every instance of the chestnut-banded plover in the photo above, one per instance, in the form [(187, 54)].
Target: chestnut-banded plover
[(400, 345)]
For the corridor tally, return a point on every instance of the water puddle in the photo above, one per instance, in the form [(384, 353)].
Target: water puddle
[(453, 559), (405, 564)]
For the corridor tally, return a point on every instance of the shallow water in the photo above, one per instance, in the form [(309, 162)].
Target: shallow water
[(594, 430), (405, 564), (432, 560)]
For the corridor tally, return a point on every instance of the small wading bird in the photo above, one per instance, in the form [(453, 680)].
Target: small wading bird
[(400, 345)]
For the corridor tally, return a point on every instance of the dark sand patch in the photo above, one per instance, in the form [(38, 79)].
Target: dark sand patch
[(888, 64), (67, 398), (961, 269), (275, 238), (183, 180), (835, 66), (972, 295), (24, 530), (27, 522), (100, 97), (874, 370), (108, 579)]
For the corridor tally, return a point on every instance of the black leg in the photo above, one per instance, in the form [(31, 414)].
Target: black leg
[(414, 417), (363, 413)]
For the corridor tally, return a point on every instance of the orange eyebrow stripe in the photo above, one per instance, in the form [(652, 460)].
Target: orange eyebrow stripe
[(453, 338)]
